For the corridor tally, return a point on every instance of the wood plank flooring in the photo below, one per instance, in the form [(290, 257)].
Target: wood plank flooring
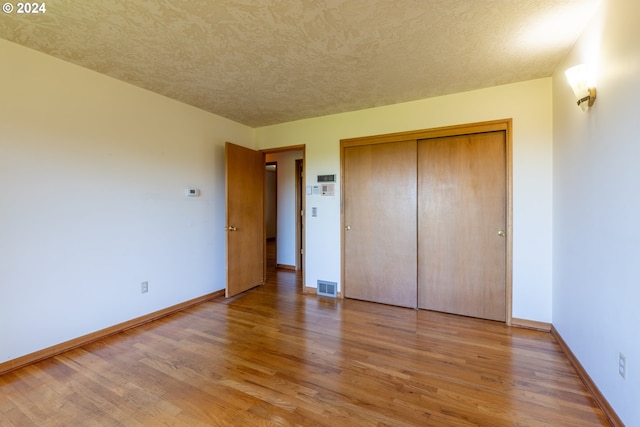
[(275, 357)]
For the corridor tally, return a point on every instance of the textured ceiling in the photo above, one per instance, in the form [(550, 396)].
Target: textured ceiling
[(261, 62)]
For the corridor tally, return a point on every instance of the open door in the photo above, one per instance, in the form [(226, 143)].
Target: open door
[(244, 171)]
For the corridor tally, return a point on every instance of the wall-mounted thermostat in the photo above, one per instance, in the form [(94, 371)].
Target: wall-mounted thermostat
[(328, 189), (192, 192)]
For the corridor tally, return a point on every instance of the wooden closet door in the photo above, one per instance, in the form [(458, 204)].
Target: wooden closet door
[(462, 221), (380, 236)]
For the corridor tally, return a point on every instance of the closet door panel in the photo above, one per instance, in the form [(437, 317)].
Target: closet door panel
[(380, 236), (461, 225)]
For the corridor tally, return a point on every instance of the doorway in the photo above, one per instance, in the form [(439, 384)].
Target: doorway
[(271, 212), (284, 209)]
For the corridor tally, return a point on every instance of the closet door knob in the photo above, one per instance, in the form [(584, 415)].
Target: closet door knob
[(501, 233), (347, 228)]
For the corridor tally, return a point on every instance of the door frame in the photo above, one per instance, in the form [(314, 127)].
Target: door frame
[(299, 218), (275, 204), (505, 125), (300, 214)]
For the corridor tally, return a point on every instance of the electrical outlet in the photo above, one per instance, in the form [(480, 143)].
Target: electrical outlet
[(622, 366), (144, 287)]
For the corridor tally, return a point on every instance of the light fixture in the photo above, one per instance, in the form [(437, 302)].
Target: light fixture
[(581, 83)]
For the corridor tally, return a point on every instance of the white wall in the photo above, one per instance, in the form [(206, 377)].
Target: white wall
[(92, 179), (528, 103), (596, 297), (286, 171)]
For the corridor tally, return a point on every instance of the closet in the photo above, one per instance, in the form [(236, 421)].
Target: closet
[(381, 202), (426, 219)]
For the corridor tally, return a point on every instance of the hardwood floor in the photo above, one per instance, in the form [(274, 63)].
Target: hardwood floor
[(275, 357)]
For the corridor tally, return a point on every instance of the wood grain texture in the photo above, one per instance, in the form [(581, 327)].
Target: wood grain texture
[(380, 212), (103, 333), (275, 357), (612, 416), (244, 172), (503, 126), (461, 210)]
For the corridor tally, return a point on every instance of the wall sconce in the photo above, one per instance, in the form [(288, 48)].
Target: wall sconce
[(580, 81)]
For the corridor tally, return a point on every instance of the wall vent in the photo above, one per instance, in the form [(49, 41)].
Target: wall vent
[(327, 289)]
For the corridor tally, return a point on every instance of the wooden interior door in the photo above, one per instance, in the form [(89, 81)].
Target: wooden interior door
[(245, 218), (462, 225), (380, 223)]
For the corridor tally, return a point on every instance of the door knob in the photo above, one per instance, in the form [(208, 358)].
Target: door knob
[(501, 233), (230, 228), (347, 228)]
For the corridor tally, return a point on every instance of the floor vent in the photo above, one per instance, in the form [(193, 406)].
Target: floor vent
[(327, 289)]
